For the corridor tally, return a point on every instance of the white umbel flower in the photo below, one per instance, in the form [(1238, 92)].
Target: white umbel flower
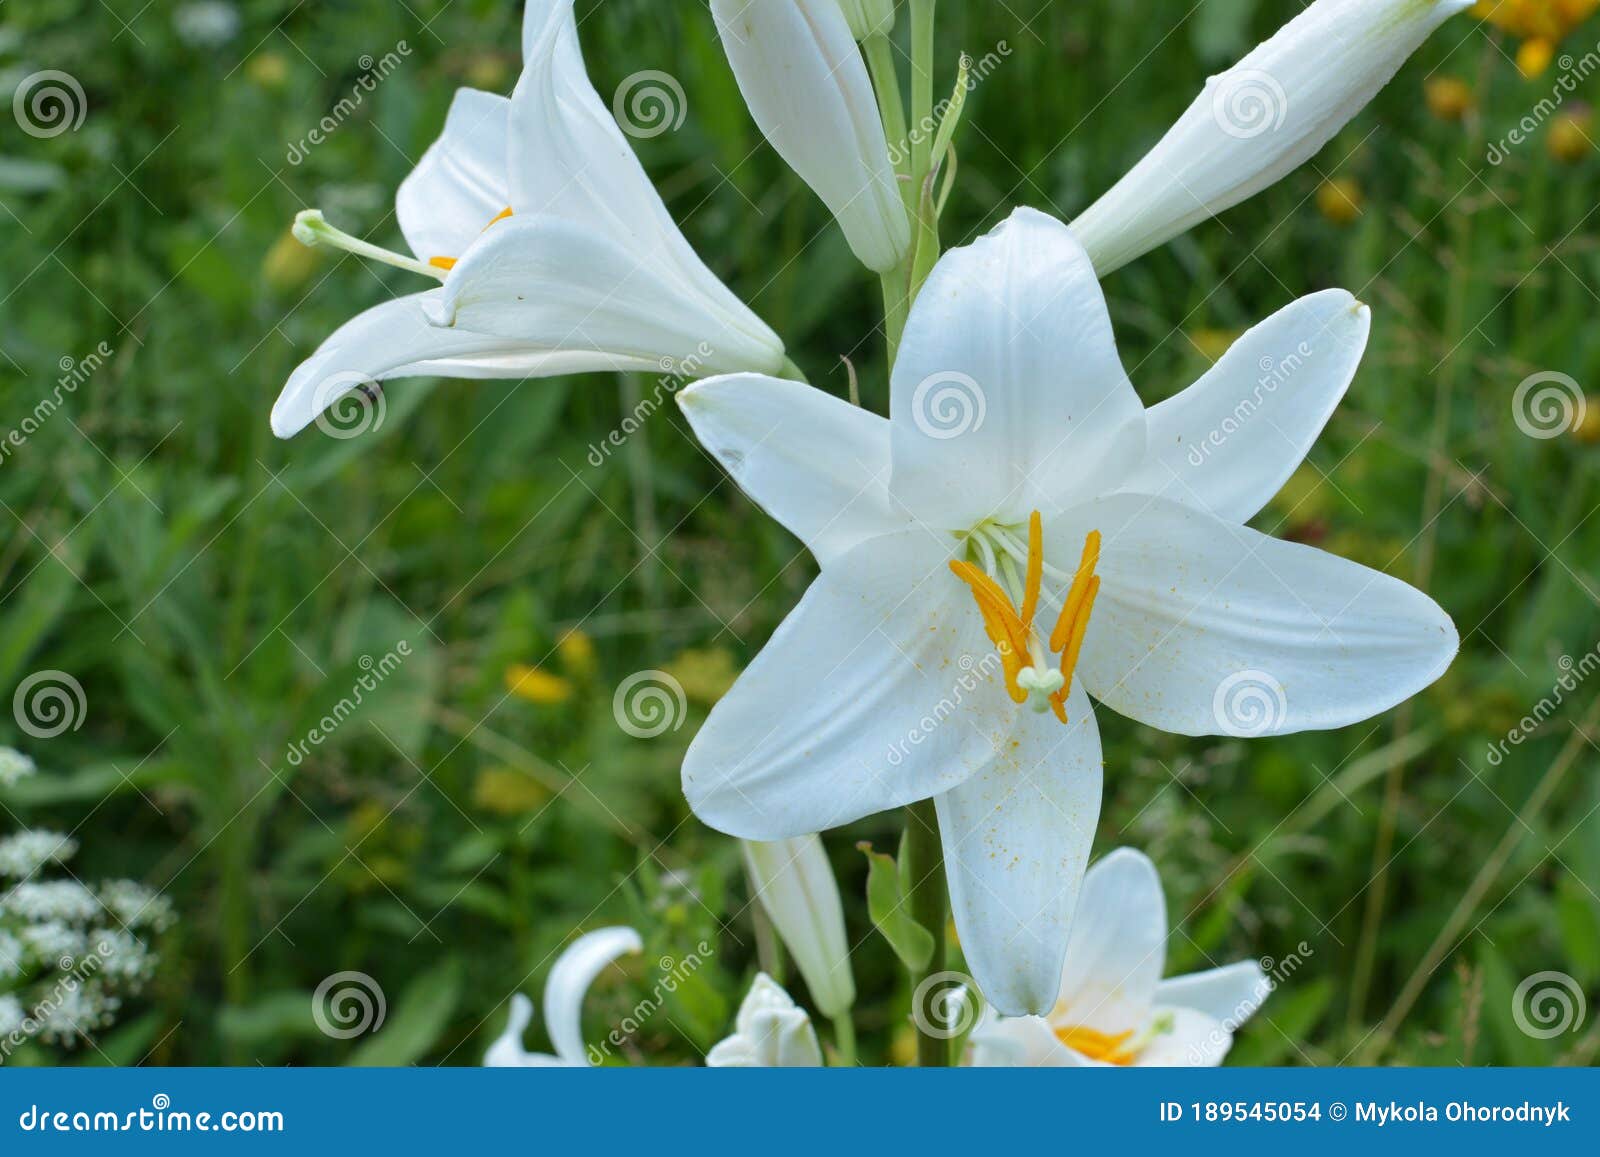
[(14, 767), (1259, 121), (808, 89)]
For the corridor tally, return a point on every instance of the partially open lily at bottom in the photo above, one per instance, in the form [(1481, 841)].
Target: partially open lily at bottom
[(771, 1032), (795, 885), (574, 971), (1022, 534), (554, 252), (1114, 1008)]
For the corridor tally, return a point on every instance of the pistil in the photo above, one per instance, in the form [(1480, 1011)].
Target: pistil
[(312, 229)]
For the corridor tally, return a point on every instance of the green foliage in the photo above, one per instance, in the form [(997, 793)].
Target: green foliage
[(217, 593)]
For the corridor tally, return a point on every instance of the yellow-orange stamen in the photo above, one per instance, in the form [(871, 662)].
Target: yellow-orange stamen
[(1030, 594), (449, 263), (1097, 1045), (1012, 630), (1000, 622)]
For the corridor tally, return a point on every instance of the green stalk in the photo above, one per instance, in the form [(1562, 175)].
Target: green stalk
[(925, 870), (886, 82), (844, 1040)]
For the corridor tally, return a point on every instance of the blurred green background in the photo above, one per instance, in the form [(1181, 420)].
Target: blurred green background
[(214, 591)]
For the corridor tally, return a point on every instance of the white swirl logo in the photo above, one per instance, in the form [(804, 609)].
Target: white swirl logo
[(1248, 102), (1548, 1004), (349, 405), (348, 1004), (49, 103), (49, 703), (1547, 405), (943, 1006), (161, 1102), (1250, 704), (649, 704), (949, 405), (649, 104)]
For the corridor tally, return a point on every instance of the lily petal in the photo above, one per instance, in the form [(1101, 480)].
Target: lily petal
[(1192, 1040), (574, 972), (1203, 627), (396, 340), (1119, 946), (1008, 395), (1230, 994), (1022, 1042), (807, 86), (570, 160), (461, 184), (1229, 442), (1016, 838), (815, 463), (1259, 121), (903, 698), (508, 1051), (552, 284), (794, 883)]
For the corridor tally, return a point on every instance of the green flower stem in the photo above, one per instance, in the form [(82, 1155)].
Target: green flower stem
[(921, 89), (925, 870), (844, 1041), (896, 308), (886, 82)]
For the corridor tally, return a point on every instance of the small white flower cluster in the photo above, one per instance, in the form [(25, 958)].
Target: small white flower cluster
[(24, 854), (70, 953), (14, 767)]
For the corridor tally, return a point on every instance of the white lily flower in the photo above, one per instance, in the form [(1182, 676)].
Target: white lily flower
[(555, 253), (1259, 121), (771, 1032), (807, 87), (1114, 1008), (1019, 483), (570, 979), (794, 882)]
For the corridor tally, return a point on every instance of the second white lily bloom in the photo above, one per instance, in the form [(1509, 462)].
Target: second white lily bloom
[(555, 252), (1259, 121), (1114, 1007), (1020, 483), (794, 883), (807, 87)]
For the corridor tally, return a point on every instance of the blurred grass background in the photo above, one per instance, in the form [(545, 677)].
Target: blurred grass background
[(214, 591)]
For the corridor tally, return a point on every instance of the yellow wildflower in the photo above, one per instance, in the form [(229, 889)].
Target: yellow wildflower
[(1339, 200)]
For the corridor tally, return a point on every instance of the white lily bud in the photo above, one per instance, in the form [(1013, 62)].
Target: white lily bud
[(1259, 121), (807, 87), (869, 17), (795, 884), (771, 1032)]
